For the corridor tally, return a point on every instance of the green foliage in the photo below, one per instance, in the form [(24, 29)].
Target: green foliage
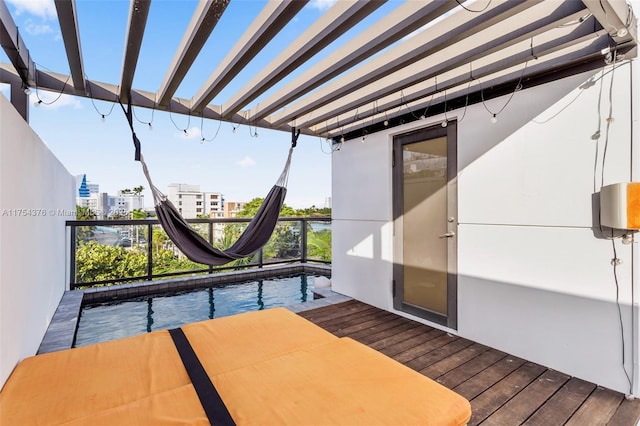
[(139, 214), (97, 262), (85, 213), (252, 207), (319, 244), (314, 211)]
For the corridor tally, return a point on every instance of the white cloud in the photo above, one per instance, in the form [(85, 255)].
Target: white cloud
[(44, 9), (37, 29), (246, 162), (322, 4), (50, 101)]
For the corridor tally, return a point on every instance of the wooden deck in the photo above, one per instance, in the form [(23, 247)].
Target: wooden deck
[(503, 389)]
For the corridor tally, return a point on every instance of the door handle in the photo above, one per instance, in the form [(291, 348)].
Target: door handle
[(448, 235)]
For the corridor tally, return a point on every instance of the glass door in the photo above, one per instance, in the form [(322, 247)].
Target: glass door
[(425, 224)]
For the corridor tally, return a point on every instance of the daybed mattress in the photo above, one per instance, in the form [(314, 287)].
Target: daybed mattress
[(270, 367)]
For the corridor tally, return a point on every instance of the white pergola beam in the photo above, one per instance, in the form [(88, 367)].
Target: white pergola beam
[(336, 21), (471, 54), (57, 83), (401, 22), (615, 16), (204, 20), (441, 36), (138, 13), (14, 46), (68, 19), (499, 71), (274, 16)]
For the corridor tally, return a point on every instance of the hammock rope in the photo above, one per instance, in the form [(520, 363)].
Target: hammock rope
[(193, 245)]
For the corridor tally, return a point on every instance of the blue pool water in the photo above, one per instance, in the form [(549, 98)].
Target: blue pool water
[(114, 320)]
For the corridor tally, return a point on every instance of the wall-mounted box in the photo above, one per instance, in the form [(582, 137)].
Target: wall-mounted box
[(620, 206)]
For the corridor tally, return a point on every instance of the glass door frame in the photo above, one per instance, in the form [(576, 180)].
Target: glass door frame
[(449, 320)]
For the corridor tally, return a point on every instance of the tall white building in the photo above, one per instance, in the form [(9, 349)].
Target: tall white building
[(88, 195), (124, 204), (191, 202)]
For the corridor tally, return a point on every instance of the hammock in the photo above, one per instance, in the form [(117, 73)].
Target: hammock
[(192, 244)]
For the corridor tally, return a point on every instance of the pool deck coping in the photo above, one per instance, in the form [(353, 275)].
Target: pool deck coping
[(61, 331)]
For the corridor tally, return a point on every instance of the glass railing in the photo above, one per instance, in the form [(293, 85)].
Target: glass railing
[(107, 252)]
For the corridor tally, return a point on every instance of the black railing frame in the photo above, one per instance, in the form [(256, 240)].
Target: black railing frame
[(149, 223)]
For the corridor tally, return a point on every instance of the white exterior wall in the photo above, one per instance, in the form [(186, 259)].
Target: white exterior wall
[(33, 251), (533, 280), (185, 197), (213, 204)]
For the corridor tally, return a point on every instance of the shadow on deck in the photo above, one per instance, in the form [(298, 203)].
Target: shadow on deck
[(503, 389)]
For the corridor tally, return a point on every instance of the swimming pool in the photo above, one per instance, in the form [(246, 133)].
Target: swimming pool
[(108, 321)]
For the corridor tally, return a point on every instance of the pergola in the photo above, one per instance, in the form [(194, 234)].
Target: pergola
[(461, 52)]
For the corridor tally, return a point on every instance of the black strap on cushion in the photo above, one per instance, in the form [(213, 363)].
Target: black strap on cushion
[(213, 405)]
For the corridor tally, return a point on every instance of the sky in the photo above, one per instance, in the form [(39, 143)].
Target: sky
[(232, 160)]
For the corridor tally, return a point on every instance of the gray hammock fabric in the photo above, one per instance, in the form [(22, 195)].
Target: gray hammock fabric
[(192, 244)]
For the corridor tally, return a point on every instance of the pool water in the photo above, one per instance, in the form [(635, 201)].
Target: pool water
[(114, 320)]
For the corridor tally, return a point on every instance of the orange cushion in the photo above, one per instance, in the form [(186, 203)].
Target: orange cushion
[(269, 367)]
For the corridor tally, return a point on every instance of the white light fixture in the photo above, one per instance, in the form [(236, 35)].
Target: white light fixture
[(622, 32), (494, 119), (102, 118), (37, 104), (27, 91), (386, 123), (444, 123)]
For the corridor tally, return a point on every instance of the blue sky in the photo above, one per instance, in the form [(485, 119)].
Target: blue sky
[(239, 165)]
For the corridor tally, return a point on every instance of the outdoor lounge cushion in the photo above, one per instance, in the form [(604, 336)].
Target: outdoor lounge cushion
[(270, 367)]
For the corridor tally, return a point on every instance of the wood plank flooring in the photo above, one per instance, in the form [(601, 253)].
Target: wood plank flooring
[(503, 389)]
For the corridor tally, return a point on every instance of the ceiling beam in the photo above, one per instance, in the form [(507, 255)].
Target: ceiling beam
[(437, 38), (58, 83), (204, 20), (501, 71), (68, 19), (402, 21), (615, 16), (508, 50), (336, 21), (138, 13), (274, 16), (15, 48)]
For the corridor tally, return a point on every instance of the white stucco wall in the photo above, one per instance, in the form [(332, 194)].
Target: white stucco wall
[(34, 186), (533, 280)]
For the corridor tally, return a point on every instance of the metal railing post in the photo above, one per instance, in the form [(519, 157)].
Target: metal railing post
[(303, 239), (72, 259), (211, 242), (149, 251)]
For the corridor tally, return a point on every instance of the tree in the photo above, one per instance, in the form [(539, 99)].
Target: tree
[(85, 213), (138, 190), (319, 244), (139, 214), (97, 262), (251, 208), (125, 191)]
